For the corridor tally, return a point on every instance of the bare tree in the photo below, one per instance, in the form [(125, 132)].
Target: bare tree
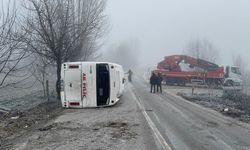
[(245, 72), (202, 49), (239, 62), (40, 67), (64, 30), (12, 53), (247, 77)]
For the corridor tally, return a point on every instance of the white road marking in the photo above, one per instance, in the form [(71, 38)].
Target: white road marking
[(145, 78), (156, 132), (156, 117), (196, 105), (193, 104)]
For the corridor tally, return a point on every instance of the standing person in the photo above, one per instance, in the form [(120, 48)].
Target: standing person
[(130, 73), (159, 81), (153, 80)]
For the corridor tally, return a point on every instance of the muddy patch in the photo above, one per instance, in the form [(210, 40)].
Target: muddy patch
[(70, 126), (119, 130), (212, 124)]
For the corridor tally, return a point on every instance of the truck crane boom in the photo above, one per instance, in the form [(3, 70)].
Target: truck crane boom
[(205, 72), (172, 63)]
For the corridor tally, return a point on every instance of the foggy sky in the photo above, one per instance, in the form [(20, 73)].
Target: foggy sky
[(164, 27)]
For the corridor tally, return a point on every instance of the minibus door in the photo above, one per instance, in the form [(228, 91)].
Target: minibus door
[(102, 84)]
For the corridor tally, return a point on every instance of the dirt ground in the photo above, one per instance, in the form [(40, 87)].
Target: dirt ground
[(119, 127), (19, 122)]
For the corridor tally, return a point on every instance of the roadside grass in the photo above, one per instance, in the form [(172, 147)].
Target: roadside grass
[(233, 104), (19, 121)]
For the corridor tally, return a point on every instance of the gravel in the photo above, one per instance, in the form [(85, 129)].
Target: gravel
[(118, 127)]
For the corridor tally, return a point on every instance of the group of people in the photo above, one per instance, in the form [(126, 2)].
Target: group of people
[(155, 82)]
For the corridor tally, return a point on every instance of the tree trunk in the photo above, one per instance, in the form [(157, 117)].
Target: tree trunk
[(44, 90), (58, 86), (43, 83)]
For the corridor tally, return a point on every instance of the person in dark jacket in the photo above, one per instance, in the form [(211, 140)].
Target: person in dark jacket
[(130, 73), (153, 82), (159, 81)]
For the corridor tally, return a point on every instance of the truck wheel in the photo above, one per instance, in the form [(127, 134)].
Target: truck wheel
[(183, 82), (214, 85), (168, 82), (229, 83)]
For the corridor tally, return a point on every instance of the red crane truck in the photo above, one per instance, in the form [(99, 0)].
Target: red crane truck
[(196, 71)]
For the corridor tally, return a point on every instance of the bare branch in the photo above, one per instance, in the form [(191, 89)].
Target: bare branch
[(63, 30), (203, 49)]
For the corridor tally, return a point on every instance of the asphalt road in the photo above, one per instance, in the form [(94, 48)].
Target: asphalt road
[(140, 121), (188, 126)]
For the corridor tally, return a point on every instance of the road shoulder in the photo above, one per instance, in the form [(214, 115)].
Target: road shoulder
[(119, 127)]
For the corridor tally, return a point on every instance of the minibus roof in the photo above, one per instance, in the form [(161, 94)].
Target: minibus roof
[(90, 62)]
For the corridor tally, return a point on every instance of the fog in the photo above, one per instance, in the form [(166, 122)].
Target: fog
[(164, 27)]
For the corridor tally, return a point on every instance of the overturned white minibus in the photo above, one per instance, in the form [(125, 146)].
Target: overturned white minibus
[(91, 84)]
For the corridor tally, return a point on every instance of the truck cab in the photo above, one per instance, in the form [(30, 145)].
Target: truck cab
[(232, 76)]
